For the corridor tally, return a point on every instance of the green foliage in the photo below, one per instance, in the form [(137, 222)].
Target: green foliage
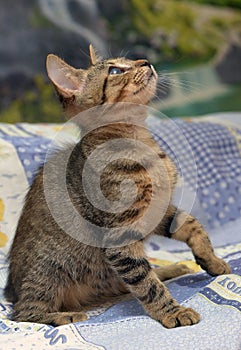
[(180, 29), (228, 3), (37, 105), (148, 15)]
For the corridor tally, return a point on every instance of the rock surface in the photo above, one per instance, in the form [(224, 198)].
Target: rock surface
[(228, 65), (31, 29), (27, 35)]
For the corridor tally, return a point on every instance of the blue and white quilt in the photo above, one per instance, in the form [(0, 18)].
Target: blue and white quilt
[(207, 151)]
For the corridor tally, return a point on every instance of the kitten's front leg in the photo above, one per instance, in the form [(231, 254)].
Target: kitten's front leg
[(132, 267), (187, 229)]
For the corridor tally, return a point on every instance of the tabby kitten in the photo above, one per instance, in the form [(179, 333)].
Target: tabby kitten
[(53, 276)]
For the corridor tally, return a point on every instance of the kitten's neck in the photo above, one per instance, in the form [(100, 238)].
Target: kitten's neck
[(112, 122), (115, 132), (110, 114)]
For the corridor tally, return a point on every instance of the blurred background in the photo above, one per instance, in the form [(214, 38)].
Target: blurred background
[(194, 45)]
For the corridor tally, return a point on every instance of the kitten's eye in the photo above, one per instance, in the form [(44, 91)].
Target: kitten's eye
[(115, 70)]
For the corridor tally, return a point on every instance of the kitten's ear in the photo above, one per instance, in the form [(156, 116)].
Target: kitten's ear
[(94, 58), (65, 78)]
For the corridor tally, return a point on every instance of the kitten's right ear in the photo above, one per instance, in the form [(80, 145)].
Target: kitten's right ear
[(66, 79), (94, 57)]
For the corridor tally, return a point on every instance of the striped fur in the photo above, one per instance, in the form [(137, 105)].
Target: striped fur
[(54, 278)]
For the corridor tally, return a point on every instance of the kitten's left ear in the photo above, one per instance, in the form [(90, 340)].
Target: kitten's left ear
[(94, 58), (66, 79)]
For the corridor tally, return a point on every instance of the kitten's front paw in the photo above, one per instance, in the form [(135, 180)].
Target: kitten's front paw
[(218, 267), (181, 317)]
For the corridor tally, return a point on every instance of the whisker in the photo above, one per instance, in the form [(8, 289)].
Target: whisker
[(165, 84), (164, 89), (166, 73), (109, 51), (186, 85), (84, 53), (172, 78), (178, 78), (190, 82), (183, 85), (123, 53), (176, 73)]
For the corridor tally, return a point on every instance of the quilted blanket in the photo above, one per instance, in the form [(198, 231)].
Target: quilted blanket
[(207, 152)]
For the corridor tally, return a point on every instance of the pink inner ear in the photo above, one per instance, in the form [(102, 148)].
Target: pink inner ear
[(63, 76)]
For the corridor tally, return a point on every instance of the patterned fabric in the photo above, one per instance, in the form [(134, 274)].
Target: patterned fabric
[(214, 168), (207, 152)]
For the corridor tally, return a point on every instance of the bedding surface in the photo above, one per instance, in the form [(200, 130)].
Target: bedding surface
[(207, 152)]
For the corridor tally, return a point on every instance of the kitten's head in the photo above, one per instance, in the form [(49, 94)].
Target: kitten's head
[(105, 81)]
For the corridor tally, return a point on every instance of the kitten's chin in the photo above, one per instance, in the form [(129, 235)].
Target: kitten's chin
[(145, 94)]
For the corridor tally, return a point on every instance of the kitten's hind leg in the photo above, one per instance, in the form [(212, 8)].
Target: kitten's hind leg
[(38, 311), (62, 318), (171, 271), (40, 300), (187, 229)]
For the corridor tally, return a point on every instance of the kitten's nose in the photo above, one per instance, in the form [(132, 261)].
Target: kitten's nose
[(143, 63)]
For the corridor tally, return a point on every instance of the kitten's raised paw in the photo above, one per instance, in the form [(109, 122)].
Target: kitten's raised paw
[(63, 318), (218, 267), (181, 317)]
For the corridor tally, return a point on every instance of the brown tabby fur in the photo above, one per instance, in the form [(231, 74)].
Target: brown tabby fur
[(53, 277)]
